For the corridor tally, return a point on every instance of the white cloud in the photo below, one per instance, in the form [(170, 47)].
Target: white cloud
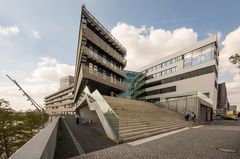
[(50, 70), (44, 81), (147, 44), (8, 31), (36, 34), (230, 47)]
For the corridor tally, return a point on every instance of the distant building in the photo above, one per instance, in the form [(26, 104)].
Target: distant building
[(222, 100), (61, 102), (66, 81)]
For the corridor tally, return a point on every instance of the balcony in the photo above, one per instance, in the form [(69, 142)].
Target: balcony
[(94, 22), (99, 77), (59, 94), (103, 61), (57, 100), (94, 38)]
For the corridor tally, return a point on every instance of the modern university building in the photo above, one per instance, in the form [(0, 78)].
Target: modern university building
[(191, 71), (100, 59)]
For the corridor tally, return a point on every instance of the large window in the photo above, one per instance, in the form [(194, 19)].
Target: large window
[(199, 56), (196, 57)]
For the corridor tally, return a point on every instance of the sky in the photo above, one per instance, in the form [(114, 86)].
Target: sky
[(38, 38)]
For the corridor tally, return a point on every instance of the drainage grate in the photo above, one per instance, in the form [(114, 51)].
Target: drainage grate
[(227, 150)]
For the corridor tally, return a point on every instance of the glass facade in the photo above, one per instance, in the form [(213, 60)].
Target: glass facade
[(164, 72), (164, 64), (199, 56), (129, 76)]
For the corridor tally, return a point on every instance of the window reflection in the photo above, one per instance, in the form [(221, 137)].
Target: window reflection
[(199, 56)]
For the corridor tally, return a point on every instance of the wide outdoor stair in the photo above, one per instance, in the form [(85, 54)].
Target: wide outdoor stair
[(139, 119)]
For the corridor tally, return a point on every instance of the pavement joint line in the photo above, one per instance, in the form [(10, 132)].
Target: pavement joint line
[(195, 127), (142, 141), (78, 146)]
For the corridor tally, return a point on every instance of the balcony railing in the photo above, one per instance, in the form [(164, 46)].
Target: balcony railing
[(104, 29), (103, 61), (97, 76), (90, 35)]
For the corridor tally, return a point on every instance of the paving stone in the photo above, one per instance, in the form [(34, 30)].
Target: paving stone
[(199, 143)]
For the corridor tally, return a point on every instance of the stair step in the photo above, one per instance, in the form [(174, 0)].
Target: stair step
[(122, 125), (145, 135), (144, 127), (149, 130)]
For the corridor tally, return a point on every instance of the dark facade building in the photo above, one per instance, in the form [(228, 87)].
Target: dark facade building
[(100, 59), (222, 100)]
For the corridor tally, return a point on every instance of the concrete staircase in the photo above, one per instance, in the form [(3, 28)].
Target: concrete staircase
[(141, 119)]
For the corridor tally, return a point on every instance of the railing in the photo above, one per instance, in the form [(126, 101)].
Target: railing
[(93, 37), (109, 114), (102, 78), (103, 61), (103, 28)]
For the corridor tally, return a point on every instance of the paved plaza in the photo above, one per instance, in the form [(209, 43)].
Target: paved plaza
[(193, 143)]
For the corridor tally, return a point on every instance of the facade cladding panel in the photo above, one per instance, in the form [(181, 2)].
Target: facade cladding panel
[(222, 97), (100, 59), (192, 69)]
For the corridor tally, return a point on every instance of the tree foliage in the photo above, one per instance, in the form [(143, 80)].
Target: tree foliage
[(235, 59), (16, 128)]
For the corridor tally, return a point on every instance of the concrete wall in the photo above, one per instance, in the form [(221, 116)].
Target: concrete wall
[(181, 105), (193, 104), (41, 146), (86, 113)]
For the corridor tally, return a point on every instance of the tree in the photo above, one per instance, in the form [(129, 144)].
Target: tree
[(16, 128), (12, 133), (235, 59)]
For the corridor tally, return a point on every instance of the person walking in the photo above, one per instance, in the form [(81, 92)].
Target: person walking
[(77, 119), (186, 115), (193, 116)]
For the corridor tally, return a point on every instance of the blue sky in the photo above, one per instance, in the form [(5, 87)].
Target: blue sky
[(50, 29)]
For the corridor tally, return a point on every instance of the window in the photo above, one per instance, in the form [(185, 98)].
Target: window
[(187, 60), (111, 76), (91, 50), (95, 53), (104, 74), (164, 64), (179, 58), (104, 58), (167, 71), (90, 68), (174, 60), (95, 69), (207, 53), (114, 79), (196, 57)]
